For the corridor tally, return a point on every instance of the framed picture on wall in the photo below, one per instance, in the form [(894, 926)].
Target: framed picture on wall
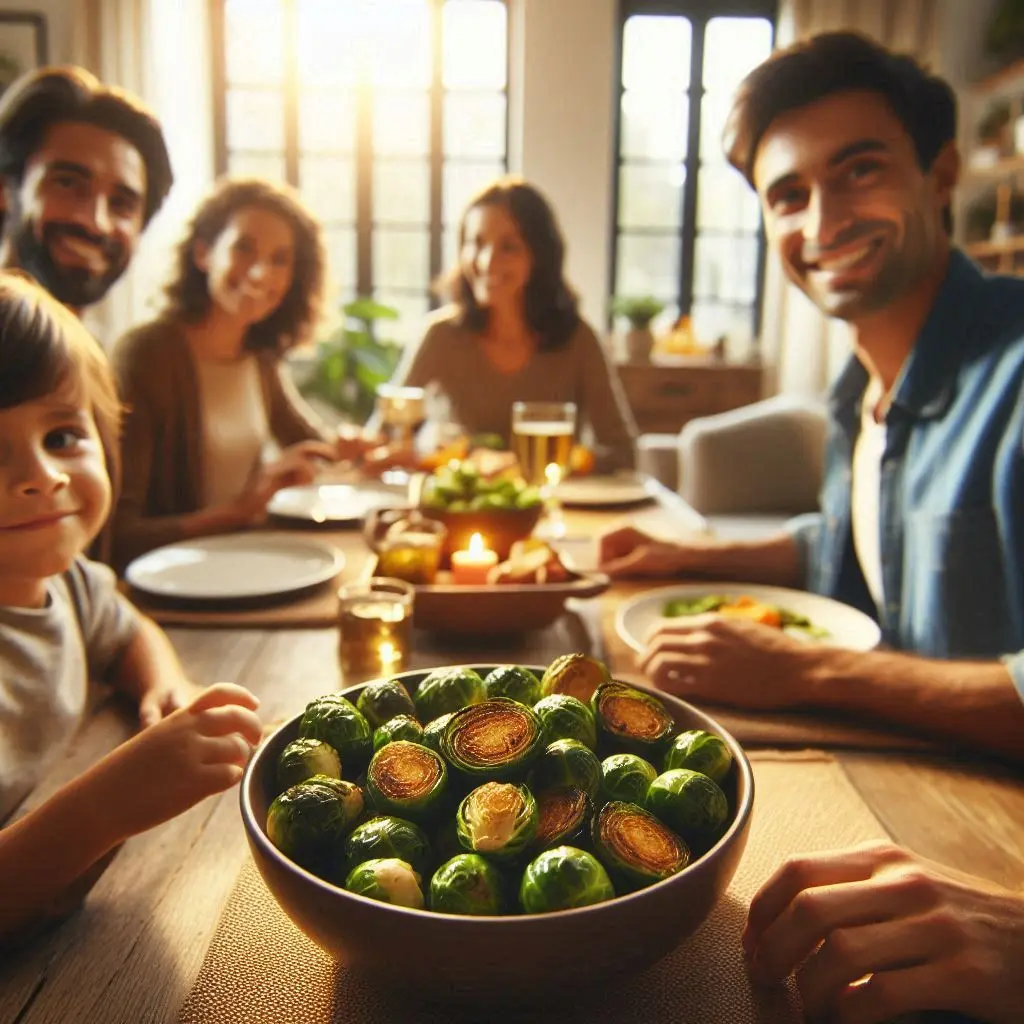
[(23, 44)]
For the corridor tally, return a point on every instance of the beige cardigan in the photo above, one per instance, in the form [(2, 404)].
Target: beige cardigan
[(162, 447)]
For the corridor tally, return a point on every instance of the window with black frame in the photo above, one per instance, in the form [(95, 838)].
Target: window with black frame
[(386, 117), (688, 227)]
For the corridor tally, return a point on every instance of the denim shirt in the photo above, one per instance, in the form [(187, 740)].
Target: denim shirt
[(951, 502)]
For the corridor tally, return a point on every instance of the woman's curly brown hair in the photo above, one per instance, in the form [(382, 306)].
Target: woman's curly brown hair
[(293, 322)]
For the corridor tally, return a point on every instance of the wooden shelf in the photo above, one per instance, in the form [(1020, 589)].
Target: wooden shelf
[(988, 250), (1000, 79), (1007, 167)]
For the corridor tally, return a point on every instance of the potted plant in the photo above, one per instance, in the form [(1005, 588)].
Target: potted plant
[(353, 361), (1004, 35), (639, 311)]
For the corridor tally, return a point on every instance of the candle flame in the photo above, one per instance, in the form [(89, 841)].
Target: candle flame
[(476, 544)]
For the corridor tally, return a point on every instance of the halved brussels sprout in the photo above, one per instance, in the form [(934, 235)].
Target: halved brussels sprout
[(383, 700), (514, 682), (446, 690), (389, 880), (563, 817), (702, 752), (387, 836), (632, 719), (495, 741), (302, 759), (575, 674), (563, 878), (567, 763), (566, 718), (635, 847), (433, 731), (467, 884), (407, 779), (308, 822), (498, 819), (626, 777), (401, 727), (338, 722), (691, 804)]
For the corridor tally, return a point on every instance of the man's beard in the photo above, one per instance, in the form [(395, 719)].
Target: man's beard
[(74, 286)]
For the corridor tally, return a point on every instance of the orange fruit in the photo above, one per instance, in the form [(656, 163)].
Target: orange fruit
[(581, 460)]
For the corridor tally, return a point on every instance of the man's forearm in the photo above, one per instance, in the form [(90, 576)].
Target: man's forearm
[(773, 560), (965, 701)]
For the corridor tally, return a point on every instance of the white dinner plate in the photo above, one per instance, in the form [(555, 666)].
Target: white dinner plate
[(624, 488), (331, 503), (846, 626), (235, 566)]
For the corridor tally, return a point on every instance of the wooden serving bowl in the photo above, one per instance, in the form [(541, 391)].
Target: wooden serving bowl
[(500, 528), (460, 958)]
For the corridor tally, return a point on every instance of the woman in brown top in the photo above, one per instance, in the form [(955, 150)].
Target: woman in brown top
[(513, 331), (214, 425)]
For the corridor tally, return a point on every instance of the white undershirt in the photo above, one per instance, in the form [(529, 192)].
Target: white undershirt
[(865, 487), (235, 427)]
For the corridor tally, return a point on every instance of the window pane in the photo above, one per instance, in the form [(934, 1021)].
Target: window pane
[(725, 268), (257, 165), (401, 259), (449, 247), (654, 127), (650, 196), (725, 201), (254, 41), (401, 192), (401, 123), (412, 311), (327, 121), (475, 48), (397, 35), (656, 53), (647, 265), (733, 47), (714, 111), (330, 47), (474, 124), (462, 181), (328, 186), (255, 119), (341, 257)]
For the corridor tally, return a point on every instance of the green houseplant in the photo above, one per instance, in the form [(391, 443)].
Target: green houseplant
[(353, 360), (639, 311)]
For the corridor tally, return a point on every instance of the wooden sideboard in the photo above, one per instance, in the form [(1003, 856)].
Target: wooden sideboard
[(664, 397)]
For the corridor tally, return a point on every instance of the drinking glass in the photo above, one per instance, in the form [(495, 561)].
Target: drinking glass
[(374, 627), (542, 438), (401, 410)]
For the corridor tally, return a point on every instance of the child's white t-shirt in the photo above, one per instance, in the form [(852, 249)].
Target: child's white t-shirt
[(47, 657)]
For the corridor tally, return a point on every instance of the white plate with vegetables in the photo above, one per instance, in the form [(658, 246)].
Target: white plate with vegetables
[(806, 616)]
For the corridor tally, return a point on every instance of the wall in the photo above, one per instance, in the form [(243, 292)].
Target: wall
[(59, 19)]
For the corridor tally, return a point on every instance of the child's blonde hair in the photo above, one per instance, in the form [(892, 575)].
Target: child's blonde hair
[(43, 345)]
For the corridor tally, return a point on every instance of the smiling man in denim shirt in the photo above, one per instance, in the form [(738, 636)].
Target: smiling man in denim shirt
[(852, 152)]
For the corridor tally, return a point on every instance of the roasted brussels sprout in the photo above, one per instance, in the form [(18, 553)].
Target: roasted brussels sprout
[(691, 804), (308, 822), (339, 723), (626, 777), (302, 759), (407, 779), (563, 817), (632, 719), (389, 880), (384, 699), (494, 741), (446, 690), (702, 752), (467, 884), (561, 879), (566, 718), (401, 727), (567, 763), (575, 674), (433, 731), (514, 682), (635, 847), (498, 819), (387, 836)]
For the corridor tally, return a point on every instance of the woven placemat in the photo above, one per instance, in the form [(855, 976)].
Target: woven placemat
[(260, 969)]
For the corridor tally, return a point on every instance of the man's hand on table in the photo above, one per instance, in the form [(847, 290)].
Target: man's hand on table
[(923, 936), (629, 553)]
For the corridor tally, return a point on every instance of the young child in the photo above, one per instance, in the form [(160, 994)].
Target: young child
[(62, 623)]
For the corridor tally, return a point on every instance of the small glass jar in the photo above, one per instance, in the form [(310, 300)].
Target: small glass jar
[(410, 548)]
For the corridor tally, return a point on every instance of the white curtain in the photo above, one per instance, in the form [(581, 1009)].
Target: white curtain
[(805, 348)]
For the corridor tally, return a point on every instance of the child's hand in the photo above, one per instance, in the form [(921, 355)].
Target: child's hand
[(165, 698), (191, 754)]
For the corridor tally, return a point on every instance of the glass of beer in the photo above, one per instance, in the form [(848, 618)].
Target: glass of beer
[(542, 439), (374, 626)]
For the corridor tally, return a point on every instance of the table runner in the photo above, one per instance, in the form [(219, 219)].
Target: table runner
[(260, 969)]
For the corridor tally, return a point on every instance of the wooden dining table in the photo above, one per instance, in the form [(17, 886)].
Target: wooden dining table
[(132, 952)]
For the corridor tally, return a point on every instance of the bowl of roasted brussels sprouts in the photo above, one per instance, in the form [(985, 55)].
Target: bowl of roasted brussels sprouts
[(498, 831)]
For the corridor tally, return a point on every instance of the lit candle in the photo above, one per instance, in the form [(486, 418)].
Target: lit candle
[(472, 565)]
